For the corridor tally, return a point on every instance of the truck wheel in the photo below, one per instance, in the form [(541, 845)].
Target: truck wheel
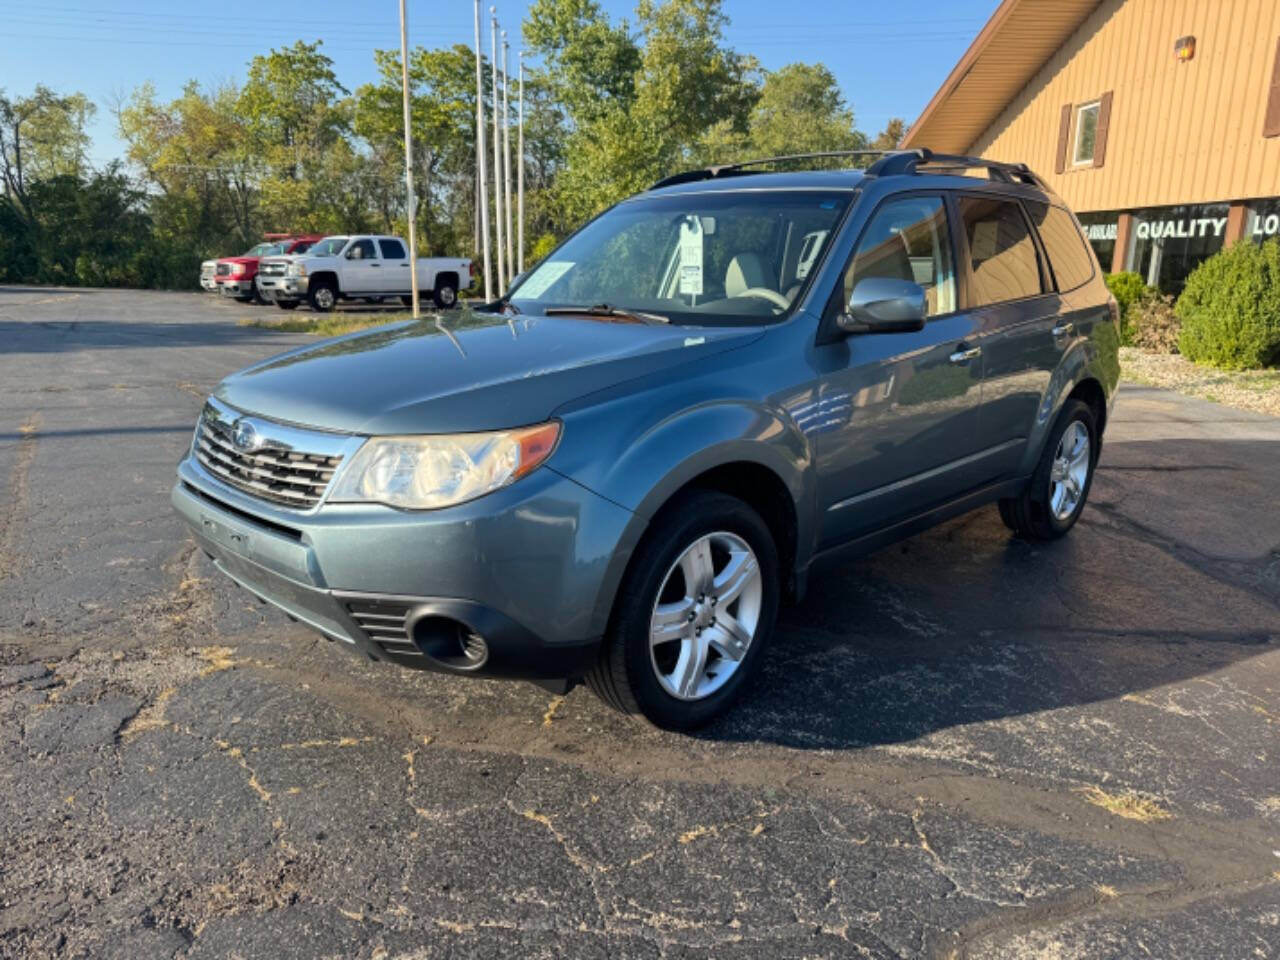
[(1055, 496), (445, 295), (322, 296), (693, 615), (287, 304)]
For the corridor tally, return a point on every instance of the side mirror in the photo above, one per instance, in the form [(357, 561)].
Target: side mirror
[(884, 305)]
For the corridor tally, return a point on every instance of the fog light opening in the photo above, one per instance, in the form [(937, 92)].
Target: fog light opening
[(449, 642)]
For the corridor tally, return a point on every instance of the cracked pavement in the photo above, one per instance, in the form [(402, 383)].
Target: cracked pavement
[(961, 746)]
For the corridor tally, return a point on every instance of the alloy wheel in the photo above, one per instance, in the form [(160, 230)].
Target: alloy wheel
[(1069, 471), (706, 615)]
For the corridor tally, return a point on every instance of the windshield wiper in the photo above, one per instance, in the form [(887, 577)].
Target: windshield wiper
[(605, 310)]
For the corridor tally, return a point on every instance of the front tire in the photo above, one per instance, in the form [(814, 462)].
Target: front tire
[(693, 614), (1055, 496), (323, 296)]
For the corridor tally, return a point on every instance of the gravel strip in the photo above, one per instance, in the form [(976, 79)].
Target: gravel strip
[(1256, 390)]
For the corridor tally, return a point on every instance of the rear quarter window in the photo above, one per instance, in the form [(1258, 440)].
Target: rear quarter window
[(1070, 257)]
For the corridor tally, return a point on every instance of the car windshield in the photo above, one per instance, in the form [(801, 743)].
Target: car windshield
[(328, 247), (719, 257)]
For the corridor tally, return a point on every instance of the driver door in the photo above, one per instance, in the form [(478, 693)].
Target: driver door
[(900, 429), (363, 270)]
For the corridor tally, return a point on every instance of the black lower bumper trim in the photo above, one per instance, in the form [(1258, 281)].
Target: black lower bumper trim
[(387, 631)]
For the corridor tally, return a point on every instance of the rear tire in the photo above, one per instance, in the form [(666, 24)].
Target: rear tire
[(445, 295), (710, 650), (323, 296), (1055, 495)]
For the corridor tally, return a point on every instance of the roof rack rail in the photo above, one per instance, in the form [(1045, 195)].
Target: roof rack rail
[(908, 161), (732, 169), (890, 163)]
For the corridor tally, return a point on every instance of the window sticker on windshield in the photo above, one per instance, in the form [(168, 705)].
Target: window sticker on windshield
[(691, 256), (543, 278)]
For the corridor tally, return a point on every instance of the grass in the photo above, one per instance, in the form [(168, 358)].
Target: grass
[(1131, 806), (327, 324)]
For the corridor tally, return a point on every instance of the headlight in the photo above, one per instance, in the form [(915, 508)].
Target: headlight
[(296, 270), (429, 472), (237, 269)]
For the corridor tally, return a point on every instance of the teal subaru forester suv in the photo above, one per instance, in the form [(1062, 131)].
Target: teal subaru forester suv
[(616, 472)]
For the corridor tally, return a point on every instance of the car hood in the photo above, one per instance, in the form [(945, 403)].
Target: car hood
[(472, 371), (244, 260)]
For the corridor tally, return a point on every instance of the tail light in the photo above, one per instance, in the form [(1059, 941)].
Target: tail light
[(471, 268), (1115, 311)]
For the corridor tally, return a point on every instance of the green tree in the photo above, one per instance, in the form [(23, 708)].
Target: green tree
[(41, 136)]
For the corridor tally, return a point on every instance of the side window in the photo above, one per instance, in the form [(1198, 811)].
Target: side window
[(907, 239), (1070, 257), (362, 250), (392, 250), (1002, 255)]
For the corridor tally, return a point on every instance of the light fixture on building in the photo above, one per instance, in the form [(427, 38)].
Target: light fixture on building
[(1184, 48)]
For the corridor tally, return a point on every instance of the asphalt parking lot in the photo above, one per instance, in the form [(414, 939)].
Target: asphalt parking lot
[(962, 746)]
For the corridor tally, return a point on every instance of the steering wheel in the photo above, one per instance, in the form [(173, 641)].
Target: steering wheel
[(764, 293)]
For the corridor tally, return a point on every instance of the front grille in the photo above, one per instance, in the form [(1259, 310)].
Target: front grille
[(270, 269), (384, 623), (208, 269), (291, 477), (224, 269)]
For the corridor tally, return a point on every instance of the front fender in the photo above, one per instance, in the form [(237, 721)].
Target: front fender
[(642, 469)]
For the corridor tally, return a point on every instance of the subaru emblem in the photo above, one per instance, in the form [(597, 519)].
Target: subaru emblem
[(245, 436)]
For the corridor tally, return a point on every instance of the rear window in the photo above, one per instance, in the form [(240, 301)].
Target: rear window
[(1069, 256), (392, 249)]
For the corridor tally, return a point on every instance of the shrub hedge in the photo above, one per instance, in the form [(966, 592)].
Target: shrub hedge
[(1230, 308)]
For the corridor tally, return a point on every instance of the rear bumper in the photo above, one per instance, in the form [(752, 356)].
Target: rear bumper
[(528, 576)]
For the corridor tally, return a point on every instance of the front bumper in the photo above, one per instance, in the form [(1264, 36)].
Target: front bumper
[(530, 569), (282, 288), (236, 288), (208, 284)]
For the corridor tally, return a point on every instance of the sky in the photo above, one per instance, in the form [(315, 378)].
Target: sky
[(889, 57)]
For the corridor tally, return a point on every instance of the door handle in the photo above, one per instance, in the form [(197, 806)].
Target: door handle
[(375, 264), (1063, 329), (965, 354)]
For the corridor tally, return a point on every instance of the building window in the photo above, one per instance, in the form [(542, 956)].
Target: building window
[(1086, 133), (1170, 242), (1101, 229), (1262, 222)]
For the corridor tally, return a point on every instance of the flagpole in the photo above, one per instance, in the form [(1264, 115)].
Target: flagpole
[(506, 155), (408, 157), (497, 146), (520, 176), (482, 195)]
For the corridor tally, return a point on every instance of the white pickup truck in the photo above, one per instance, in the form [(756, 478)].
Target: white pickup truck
[(362, 267)]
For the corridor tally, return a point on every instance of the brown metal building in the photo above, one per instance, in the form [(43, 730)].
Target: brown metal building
[(1158, 121)]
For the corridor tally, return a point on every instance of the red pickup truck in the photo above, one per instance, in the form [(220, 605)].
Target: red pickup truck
[(234, 275)]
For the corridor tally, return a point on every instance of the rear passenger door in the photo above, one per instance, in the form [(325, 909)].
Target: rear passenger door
[(1009, 289), (395, 265)]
